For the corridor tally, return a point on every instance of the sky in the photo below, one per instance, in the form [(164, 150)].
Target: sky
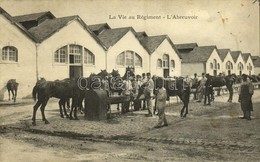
[(232, 24)]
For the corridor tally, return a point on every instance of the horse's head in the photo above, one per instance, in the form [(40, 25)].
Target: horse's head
[(115, 73)]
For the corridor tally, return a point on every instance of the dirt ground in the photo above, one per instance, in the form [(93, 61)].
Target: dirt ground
[(209, 133)]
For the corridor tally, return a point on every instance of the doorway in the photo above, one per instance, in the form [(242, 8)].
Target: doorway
[(166, 73), (75, 71)]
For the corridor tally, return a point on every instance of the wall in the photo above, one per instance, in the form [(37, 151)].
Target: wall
[(228, 58), (23, 70), (66, 36), (191, 68), (213, 56), (127, 42), (165, 48)]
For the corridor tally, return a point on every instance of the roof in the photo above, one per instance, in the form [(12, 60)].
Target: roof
[(51, 26), (18, 25), (256, 61), (34, 16), (223, 53), (245, 56), (235, 55), (186, 46), (151, 43), (96, 27), (199, 54), (112, 36), (141, 35)]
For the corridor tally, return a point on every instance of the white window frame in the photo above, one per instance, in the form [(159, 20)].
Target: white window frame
[(9, 50)]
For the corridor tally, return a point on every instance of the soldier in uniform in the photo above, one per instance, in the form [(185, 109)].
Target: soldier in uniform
[(127, 91), (245, 97), (149, 94), (208, 90), (161, 97), (201, 87)]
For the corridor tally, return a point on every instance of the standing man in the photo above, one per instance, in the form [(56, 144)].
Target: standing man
[(208, 90), (127, 91), (144, 80), (245, 97), (149, 94), (195, 82), (161, 97), (201, 87)]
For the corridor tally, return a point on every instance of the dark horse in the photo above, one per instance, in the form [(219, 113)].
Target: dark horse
[(174, 87), (62, 89), (12, 87), (219, 81)]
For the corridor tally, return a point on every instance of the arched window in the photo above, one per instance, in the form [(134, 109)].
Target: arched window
[(10, 53), (231, 65), (129, 58), (159, 63), (89, 57), (172, 63), (215, 64), (138, 60), (240, 66), (211, 65), (249, 67), (218, 66), (60, 55), (166, 61)]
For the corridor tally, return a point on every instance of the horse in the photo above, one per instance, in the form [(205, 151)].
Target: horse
[(12, 87), (219, 81), (174, 87), (64, 89)]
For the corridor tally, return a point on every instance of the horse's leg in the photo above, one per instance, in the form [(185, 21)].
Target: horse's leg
[(43, 109), (182, 110), (60, 106), (9, 94), (186, 107), (15, 94), (64, 108), (35, 108), (68, 103)]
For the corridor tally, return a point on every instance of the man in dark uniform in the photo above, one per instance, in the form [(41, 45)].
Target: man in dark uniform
[(245, 97), (208, 90)]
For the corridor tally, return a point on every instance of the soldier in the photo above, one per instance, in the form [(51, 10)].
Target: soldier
[(144, 80), (161, 97), (149, 94), (201, 87), (208, 90), (245, 97), (127, 91)]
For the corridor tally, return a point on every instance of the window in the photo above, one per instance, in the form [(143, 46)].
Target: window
[(75, 52), (60, 55), (218, 66), (159, 63), (129, 58), (89, 57), (172, 63), (10, 53), (166, 61), (231, 65), (121, 59), (211, 65), (249, 67), (215, 64), (240, 66), (138, 60)]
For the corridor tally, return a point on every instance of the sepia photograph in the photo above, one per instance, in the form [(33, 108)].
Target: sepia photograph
[(129, 80)]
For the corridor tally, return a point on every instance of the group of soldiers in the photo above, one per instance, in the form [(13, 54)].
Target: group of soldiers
[(204, 88), (131, 88)]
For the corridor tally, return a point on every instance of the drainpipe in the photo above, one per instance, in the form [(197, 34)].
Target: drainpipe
[(37, 70)]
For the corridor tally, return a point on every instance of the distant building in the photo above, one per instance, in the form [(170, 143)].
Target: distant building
[(256, 62), (202, 59), (228, 64), (239, 62), (249, 65)]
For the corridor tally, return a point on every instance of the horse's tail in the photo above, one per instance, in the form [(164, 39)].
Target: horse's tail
[(34, 92)]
